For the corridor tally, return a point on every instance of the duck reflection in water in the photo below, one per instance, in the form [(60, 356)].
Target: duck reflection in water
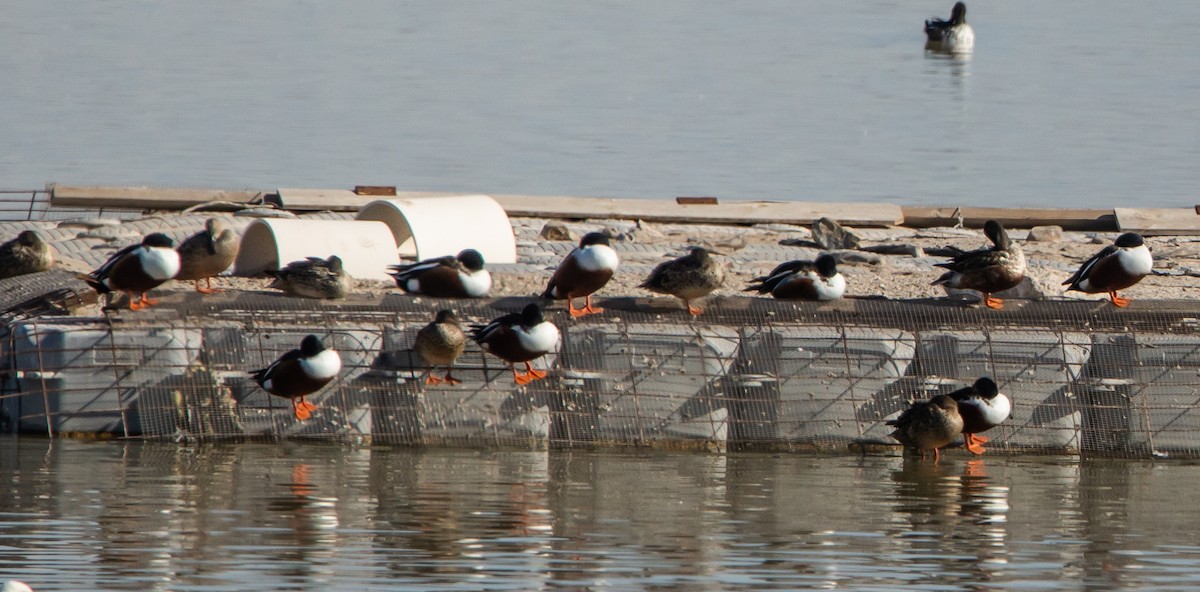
[(953, 503), (311, 524)]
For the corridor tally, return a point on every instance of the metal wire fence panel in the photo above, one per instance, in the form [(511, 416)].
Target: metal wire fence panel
[(1084, 377)]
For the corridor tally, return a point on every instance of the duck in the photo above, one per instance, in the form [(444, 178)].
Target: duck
[(982, 407), (137, 269), (27, 253), (1116, 267), (688, 278), (988, 270), (15, 586), (323, 279), (299, 373), (929, 425), (462, 276), (519, 338), (954, 35), (440, 343), (582, 272), (207, 253), (803, 280)]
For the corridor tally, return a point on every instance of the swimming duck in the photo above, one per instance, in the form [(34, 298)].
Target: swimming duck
[(314, 278), (299, 373), (952, 35), (207, 253), (137, 269), (688, 278), (982, 407), (445, 277), (519, 337), (15, 586), (440, 343), (1116, 267), (987, 270), (803, 280), (27, 253), (928, 425), (584, 271)]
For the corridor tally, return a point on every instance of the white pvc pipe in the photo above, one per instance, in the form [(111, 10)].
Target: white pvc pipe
[(366, 248), (427, 227)]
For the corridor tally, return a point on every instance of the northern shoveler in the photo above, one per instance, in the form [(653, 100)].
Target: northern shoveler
[(953, 35), (440, 343), (137, 269), (929, 425), (314, 278), (584, 271), (987, 270), (982, 407), (1116, 267), (688, 278), (445, 277), (803, 280), (299, 373), (519, 337), (27, 253), (207, 253)]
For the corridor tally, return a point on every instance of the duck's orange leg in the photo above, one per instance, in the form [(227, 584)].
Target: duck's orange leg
[(521, 378), (575, 312), (431, 379), (450, 379), (992, 302), (136, 303), (1117, 300), (974, 443), (147, 301), (209, 289), (534, 373), (302, 408), (695, 310), (588, 306), (936, 456)]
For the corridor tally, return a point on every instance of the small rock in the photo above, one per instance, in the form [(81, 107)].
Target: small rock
[(556, 231), (645, 233), (833, 236), (896, 249), (856, 258), (1045, 234)]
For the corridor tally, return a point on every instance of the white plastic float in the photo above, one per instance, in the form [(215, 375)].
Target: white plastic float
[(366, 247), (426, 227)]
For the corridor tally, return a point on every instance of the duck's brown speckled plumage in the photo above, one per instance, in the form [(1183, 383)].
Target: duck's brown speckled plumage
[(27, 253), (928, 425), (207, 253), (314, 278), (440, 343), (688, 278), (988, 270)]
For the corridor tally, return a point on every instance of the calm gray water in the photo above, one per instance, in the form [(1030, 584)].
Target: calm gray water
[(1071, 103), (133, 516)]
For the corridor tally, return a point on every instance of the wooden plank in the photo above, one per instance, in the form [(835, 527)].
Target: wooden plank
[(1158, 221), (733, 212), (144, 198), (1068, 218), (321, 200)]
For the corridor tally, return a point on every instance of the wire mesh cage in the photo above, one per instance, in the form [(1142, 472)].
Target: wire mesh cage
[(1084, 377)]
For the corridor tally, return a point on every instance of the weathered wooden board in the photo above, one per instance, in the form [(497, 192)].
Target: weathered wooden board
[(730, 212), (144, 198), (1158, 221), (321, 200), (1068, 218)]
